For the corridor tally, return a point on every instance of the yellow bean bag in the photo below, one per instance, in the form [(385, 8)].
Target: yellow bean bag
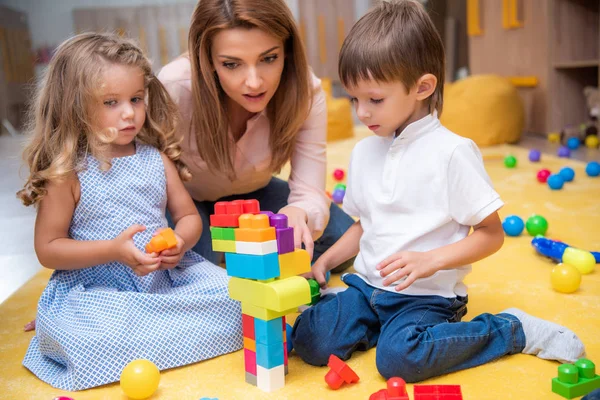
[(485, 108), (339, 115)]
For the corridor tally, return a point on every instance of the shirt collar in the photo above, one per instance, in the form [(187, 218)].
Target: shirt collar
[(416, 129)]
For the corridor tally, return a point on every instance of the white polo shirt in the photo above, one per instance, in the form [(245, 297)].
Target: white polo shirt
[(417, 192)]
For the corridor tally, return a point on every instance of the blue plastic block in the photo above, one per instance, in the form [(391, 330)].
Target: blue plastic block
[(268, 332), (251, 266), (269, 356)]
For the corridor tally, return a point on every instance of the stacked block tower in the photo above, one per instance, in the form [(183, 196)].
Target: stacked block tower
[(264, 266)]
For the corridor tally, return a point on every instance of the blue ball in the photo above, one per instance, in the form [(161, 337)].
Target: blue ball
[(593, 169), (555, 181), (513, 225), (535, 155), (573, 143), (288, 337), (567, 174)]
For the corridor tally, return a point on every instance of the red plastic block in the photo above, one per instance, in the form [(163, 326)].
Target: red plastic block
[(248, 326), (250, 207), (339, 372), (250, 361), (227, 213), (437, 392), (396, 390)]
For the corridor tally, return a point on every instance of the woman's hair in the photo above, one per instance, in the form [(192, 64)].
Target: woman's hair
[(290, 105), (61, 117)]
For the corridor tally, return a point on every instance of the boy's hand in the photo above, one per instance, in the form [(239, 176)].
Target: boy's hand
[(318, 271), (411, 265), (297, 219), (126, 252), (170, 258)]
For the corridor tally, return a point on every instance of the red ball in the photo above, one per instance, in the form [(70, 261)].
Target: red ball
[(338, 174), (543, 174)]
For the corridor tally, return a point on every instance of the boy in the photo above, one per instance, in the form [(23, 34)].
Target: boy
[(418, 189)]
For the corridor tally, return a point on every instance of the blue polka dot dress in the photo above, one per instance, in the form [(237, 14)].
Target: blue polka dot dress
[(93, 321)]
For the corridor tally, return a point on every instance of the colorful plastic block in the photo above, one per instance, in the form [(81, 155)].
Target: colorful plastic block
[(163, 240), (315, 292), (250, 344), (270, 380), (279, 295), (225, 246), (248, 326), (255, 235), (576, 380), (250, 361), (263, 313), (250, 378), (294, 263), (226, 214), (339, 373), (252, 267), (396, 390), (218, 233), (268, 332), (437, 392), (284, 234), (256, 248), (269, 355)]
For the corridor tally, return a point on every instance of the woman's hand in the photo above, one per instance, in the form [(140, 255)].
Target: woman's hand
[(297, 219)]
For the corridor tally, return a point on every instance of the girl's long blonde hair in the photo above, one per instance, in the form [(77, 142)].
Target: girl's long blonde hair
[(61, 116), (290, 105)]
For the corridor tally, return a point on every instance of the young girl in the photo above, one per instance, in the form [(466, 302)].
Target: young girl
[(104, 166)]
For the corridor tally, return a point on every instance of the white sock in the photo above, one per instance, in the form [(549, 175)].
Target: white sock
[(548, 340)]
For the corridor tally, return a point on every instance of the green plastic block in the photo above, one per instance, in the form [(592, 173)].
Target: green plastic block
[(315, 292), (576, 380), (228, 233), (216, 233)]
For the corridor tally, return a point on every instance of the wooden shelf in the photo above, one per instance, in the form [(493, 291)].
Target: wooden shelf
[(577, 64)]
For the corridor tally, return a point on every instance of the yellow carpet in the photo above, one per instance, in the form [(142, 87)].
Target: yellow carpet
[(514, 277)]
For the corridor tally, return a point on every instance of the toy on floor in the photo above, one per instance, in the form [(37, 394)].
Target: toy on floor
[(140, 379), (163, 240), (339, 373), (565, 278), (513, 225), (555, 182), (562, 252), (288, 336), (264, 266), (396, 390), (536, 225), (593, 169), (535, 155), (339, 174), (554, 137), (437, 392), (576, 380), (573, 143), (339, 191), (543, 174), (591, 142), (563, 152), (567, 173), (209, 398), (510, 161), (63, 398)]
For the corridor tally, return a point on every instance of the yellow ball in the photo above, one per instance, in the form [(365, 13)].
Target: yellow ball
[(565, 278), (583, 260), (591, 142), (554, 137), (140, 379)]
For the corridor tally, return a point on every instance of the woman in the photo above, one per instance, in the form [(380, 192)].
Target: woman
[(249, 104)]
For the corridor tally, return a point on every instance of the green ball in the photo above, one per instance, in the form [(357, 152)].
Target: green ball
[(510, 161), (339, 186), (536, 225)]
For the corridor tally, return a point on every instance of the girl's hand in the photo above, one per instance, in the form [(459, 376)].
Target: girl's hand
[(170, 258), (297, 219), (411, 265), (126, 252)]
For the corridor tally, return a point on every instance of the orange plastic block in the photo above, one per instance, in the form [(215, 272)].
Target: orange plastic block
[(250, 344), (339, 372), (164, 240), (254, 228)]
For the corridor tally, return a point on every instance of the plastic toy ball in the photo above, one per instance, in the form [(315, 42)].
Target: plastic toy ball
[(593, 169), (140, 379), (573, 143), (555, 182), (591, 142), (288, 338), (536, 225), (338, 196), (339, 186), (535, 155), (567, 173), (513, 225), (565, 278), (510, 161), (564, 152), (338, 174), (583, 260), (543, 174)]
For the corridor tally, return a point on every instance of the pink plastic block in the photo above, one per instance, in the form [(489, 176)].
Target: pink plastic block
[(250, 361)]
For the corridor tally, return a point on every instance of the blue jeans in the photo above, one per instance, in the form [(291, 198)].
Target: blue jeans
[(273, 197), (417, 337)]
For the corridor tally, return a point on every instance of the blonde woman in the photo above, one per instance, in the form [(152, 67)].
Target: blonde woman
[(104, 166), (250, 104)]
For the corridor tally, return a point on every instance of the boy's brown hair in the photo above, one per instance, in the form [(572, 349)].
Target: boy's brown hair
[(394, 41)]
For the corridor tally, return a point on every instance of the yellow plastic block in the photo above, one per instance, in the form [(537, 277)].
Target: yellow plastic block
[(294, 263), (263, 313), (226, 246), (250, 344), (254, 221), (279, 295), (255, 235)]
